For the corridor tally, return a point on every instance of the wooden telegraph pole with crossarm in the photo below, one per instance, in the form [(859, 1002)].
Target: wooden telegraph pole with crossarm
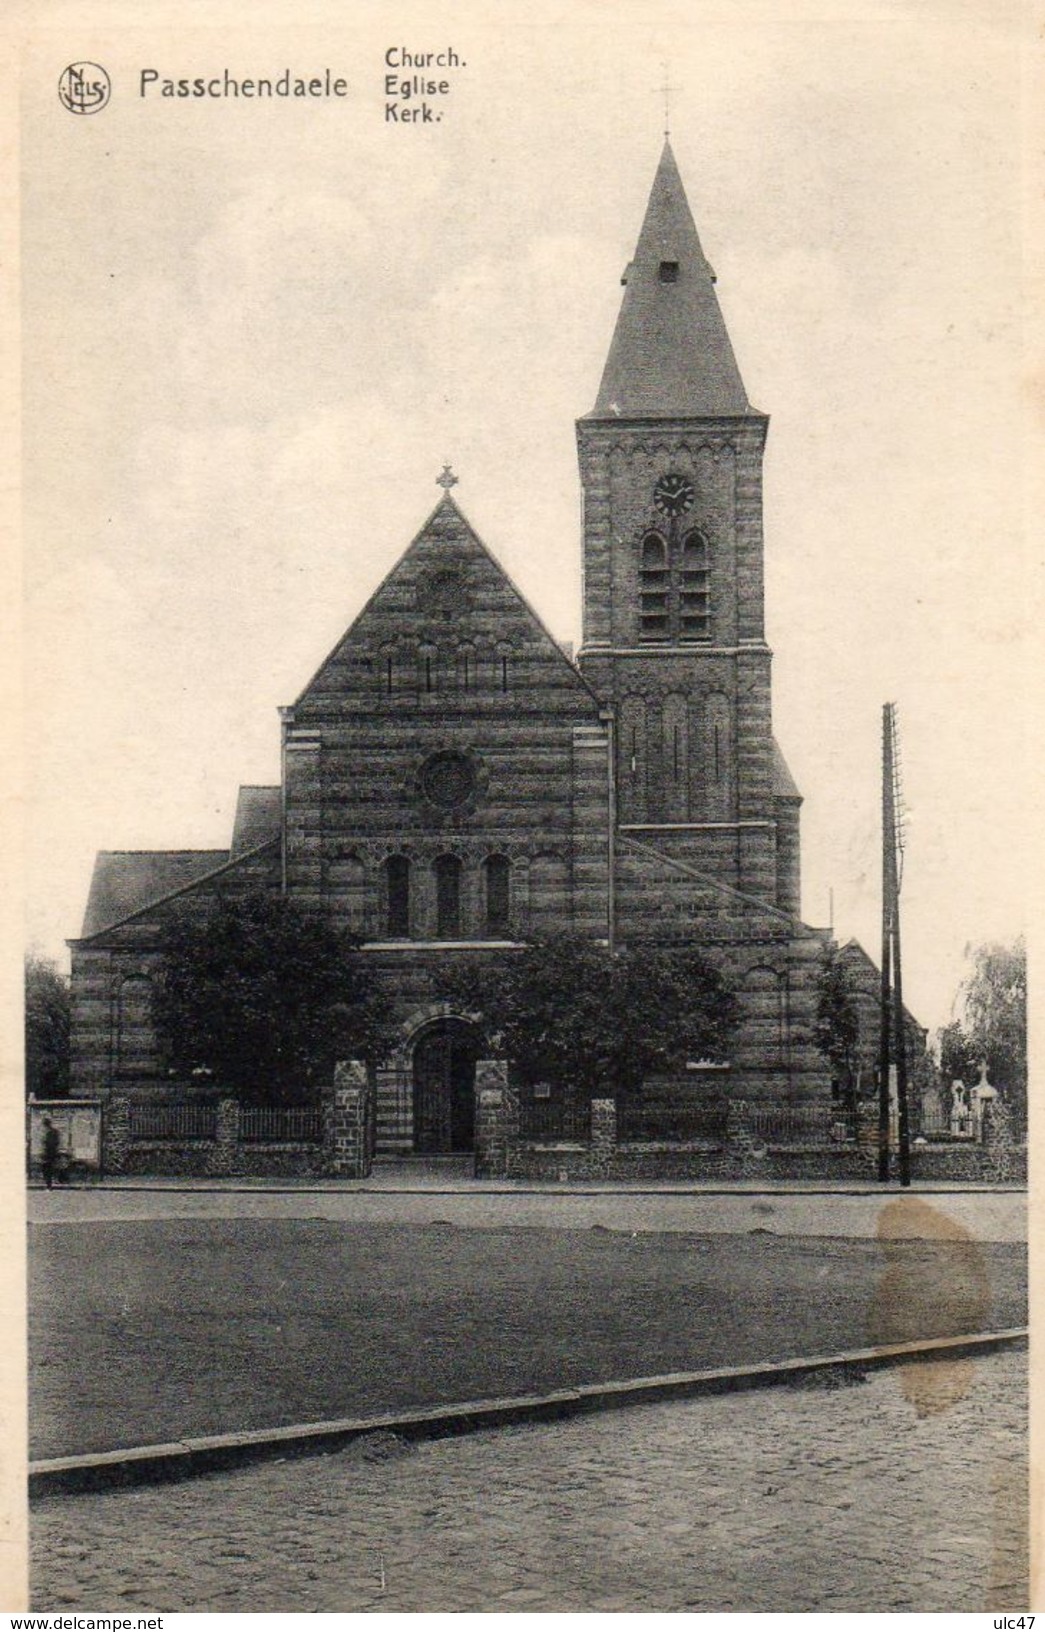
[(892, 1038)]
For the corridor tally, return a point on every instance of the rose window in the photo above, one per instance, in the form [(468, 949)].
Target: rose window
[(448, 780), (446, 595)]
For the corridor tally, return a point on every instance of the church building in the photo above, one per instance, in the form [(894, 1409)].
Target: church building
[(454, 782)]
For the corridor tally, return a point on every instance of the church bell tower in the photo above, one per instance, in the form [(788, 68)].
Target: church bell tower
[(674, 638)]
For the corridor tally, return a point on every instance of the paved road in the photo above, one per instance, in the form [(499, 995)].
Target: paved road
[(904, 1493), (985, 1216)]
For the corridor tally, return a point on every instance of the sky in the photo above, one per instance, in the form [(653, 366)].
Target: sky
[(253, 332)]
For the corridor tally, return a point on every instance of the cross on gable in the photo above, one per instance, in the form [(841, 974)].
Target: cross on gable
[(447, 479)]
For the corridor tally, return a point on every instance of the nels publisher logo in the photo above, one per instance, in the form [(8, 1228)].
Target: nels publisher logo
[(84, 88)]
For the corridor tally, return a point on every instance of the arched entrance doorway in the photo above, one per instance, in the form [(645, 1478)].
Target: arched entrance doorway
[(444, 1087)]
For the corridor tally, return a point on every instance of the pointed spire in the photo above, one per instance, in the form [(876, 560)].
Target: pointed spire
[(671, 357)]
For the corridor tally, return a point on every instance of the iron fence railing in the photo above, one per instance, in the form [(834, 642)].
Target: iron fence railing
[(258, 1124), (639, 1123), (275, 1124), (551, 1120), (797, 1124), (173, 1121)]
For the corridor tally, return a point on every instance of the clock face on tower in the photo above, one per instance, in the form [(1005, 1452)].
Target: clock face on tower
[(673, 494)]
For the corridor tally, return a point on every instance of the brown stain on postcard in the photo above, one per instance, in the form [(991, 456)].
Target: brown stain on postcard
[(929, 1294)]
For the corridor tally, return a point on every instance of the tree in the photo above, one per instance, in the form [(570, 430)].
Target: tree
[(570, 1012), (46, 1029), (992, 1023), (837, 1030), (958, 1057), (266, 997)]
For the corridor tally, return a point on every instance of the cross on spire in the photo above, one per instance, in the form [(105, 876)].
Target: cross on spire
[(665, 91), (447, 479)]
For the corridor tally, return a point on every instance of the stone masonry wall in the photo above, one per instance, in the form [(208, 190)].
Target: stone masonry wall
[(742, 1157), (349, 1155), (496, 1119)]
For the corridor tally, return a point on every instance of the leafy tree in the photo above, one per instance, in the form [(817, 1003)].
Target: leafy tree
[(837, 1030), (46, 1029), (958, 1057), (992, 1023), (266, 997), (848, 1034), (570, 1012)]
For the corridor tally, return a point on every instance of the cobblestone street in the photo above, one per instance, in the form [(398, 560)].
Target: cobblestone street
[(906, 1492)]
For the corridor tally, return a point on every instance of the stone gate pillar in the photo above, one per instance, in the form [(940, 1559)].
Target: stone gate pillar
[(349, 1155), (603, 1135), (224, 1155), (116, 1133), (495, 1122)]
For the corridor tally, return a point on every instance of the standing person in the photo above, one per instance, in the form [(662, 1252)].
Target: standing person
[(49, 1158)]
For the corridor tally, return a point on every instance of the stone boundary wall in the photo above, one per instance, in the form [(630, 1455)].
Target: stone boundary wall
[(982, 1164), (197, 1159), (500, 1151), (343, 1152), (742, 1157)]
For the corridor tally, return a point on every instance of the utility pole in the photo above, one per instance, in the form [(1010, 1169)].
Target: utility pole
[(892, 1039), (885, 1031), (900, 1035), (900, 1047)]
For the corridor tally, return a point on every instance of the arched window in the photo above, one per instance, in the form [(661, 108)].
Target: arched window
[(466, 669), (447, 898), (386, 670), (718, 758), (136, 1041), (653, 588), (675, 587), (503, 665), (498, 896), (631, 780), (428, 670), (694, 589), (675, 760), (762, 1038), (397, 897)]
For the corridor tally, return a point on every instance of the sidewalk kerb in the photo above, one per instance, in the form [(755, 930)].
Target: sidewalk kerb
[(186, 1458), (484, 1187)]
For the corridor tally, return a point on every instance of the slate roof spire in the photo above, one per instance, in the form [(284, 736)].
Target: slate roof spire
[(671, 357)]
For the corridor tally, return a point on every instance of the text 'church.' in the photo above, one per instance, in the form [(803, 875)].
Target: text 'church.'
[(454, 783)]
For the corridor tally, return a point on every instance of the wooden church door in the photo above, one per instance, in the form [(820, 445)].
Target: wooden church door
[(444, 1089)]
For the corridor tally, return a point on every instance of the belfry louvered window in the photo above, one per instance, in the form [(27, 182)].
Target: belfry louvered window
[(694, 589), (675, 588), (654, 588)]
